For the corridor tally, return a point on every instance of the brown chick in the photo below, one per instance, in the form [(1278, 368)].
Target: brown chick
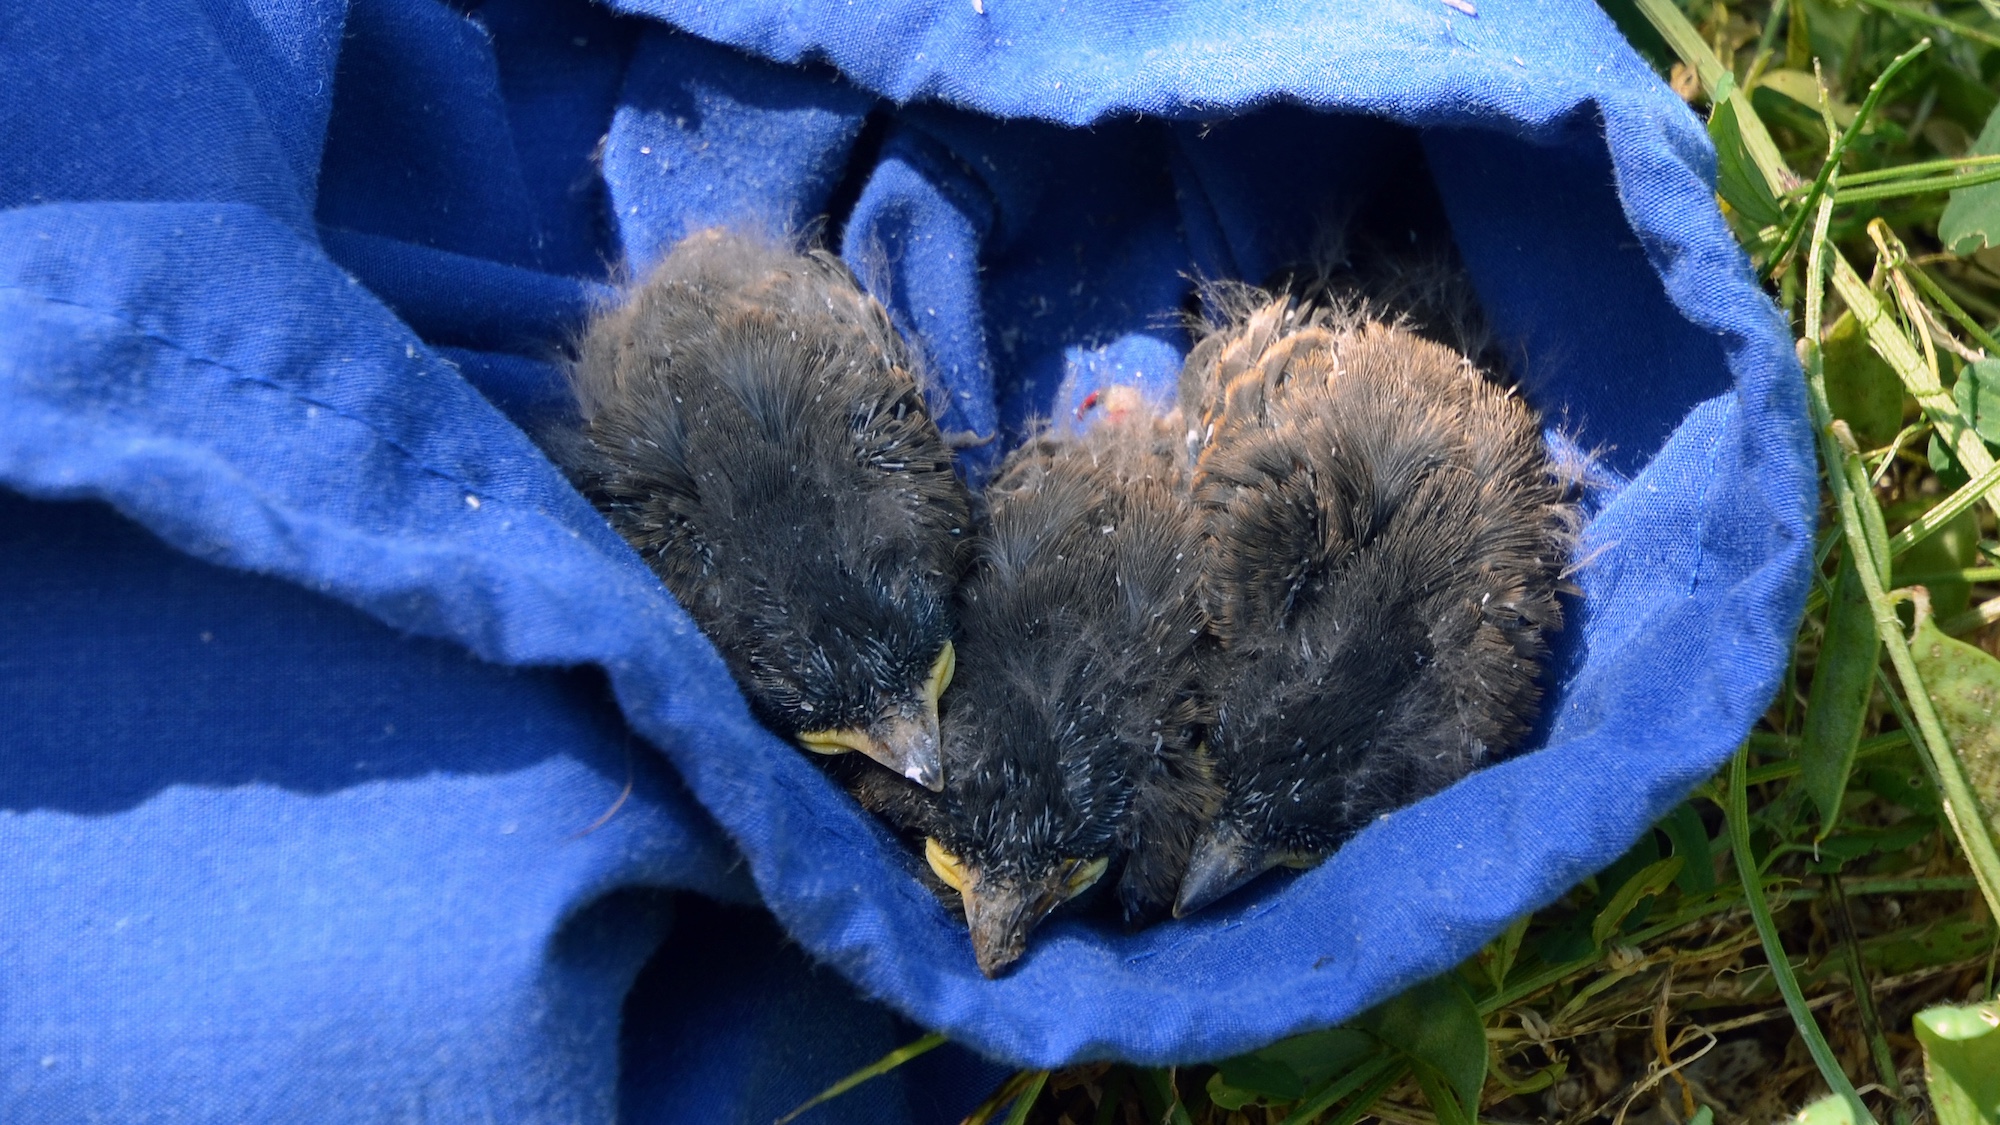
[(1385, 538)]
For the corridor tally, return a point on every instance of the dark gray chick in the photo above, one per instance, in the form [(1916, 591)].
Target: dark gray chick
[(752, 426), (1386, 535), (1072, 737)]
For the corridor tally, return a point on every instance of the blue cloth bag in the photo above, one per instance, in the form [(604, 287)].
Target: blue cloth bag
[(351, 768)]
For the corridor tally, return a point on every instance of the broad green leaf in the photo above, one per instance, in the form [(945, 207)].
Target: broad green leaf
[(1229, 1097), (1952, 547), (1690, 837), (1842, 682), (1861, 387), (1849, 846), (1444, 1102), (1944, 462), (1971, 219), (1831, 26), (1319, 1055), (1903, 783), (1977, 393), (1963, 98), (1962, 1062), (1830, 1110), (1285, 1070), (1737, 178), (1650, 880), (1963, 683), (1436, 1025), (1939, 943), (1249, 1080)]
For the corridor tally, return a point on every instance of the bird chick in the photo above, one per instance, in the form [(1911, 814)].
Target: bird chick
[(1386, 535), (753, 427), (1072, 740)]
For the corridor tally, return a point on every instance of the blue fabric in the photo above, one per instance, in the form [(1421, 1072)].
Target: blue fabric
[(324, 692)]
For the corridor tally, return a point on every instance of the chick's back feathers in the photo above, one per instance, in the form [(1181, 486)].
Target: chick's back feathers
[(753, 426), (1385, 539)]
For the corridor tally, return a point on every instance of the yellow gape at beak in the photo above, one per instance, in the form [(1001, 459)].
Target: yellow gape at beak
[(945, 865), (1083, 873), (942, 670), (905, 741), (999, 913), (834, 741)]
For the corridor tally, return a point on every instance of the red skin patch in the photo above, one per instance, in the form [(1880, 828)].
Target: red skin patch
[(1116, 401)]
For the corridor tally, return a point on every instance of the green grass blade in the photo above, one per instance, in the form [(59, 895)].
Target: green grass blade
[(1019, 1114), (876, 1069), (1936, 292), (1916, 187), (1648, 880), (1444, 1103), (1823, 182), (1864, 998), (1907, 171), (1968, 574), (1918, 15), (1160, 1097), (1112, 1097), (1889, 342), (1774, 950), (1961, 806), (1978, 617), (1366, 1082), (1720, 83), (1687, 42), (1947, 510), (1778, 771)]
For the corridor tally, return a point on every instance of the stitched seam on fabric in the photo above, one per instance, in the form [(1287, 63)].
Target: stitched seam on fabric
[(256, 380), (1705, 505), (1255, 912)]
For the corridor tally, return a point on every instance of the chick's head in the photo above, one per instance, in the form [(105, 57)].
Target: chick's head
[(1045, 748)]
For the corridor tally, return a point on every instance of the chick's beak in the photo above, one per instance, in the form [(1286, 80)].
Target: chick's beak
[(908, 744), (1000, 918), (1001, 915), (905, 738), (1223, 861)]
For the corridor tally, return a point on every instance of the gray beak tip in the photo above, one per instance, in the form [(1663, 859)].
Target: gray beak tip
[(910, 748), (999, 918), (1221, 863), (927, 774)]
